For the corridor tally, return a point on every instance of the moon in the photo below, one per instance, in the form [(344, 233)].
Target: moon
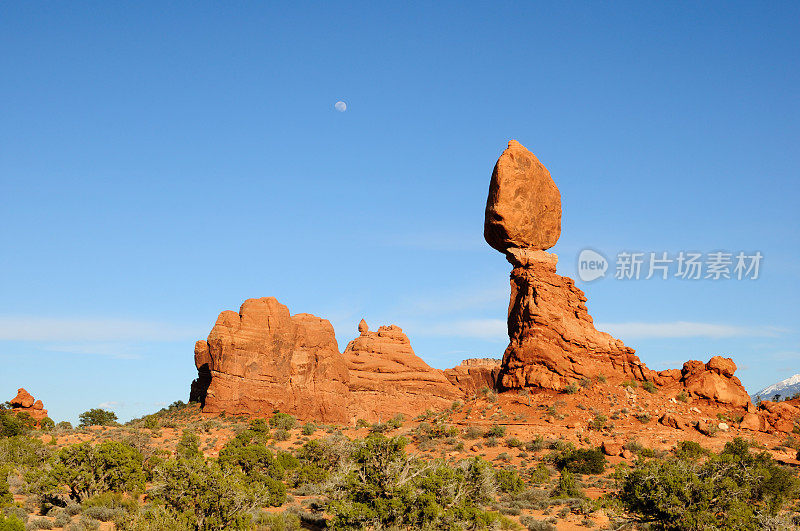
[(340, 106)]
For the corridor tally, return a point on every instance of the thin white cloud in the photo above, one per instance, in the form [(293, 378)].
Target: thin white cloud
[(112, 350), (681, 329), (24, 328)]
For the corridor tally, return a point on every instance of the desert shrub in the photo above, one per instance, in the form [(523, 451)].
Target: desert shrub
[(532, 524), (534, 445), (15, 424), (281, 435), (633, 384), (508, 480), (6, 497), (244, 453), (689, 450), (11, 523), (97, 417), (598, 422), (601, 378), (286, 521), (582, 461), (495, 431), (386, 488), (736, 489), (60, 518), (309, 428), (47, 424), (540, 474), (189, 445), (282, 421), (513, 442), (567, 486), (157, 518), (649, 386), (682, 396), (472, 433), (82, 470), (644, 418), (64, 425), (206, 495), (571, 389)]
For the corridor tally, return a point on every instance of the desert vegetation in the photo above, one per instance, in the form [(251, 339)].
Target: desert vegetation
[(180, 470)]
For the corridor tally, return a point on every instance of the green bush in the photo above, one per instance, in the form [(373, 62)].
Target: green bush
[(309, 428), (97, 417), (386, 488), (582, 461), (567, 486), (189, 445), (81, 470), (495, 431), (508, 480), (682, 396), (282, 421), (15, 424), (736, 489), (11, 523), (46, 424), (571, 389), (204, 495), (649, 386)]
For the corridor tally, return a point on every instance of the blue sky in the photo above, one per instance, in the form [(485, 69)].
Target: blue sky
[(162, 162)]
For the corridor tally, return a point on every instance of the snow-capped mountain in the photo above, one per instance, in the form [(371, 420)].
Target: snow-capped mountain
[(786, 388)]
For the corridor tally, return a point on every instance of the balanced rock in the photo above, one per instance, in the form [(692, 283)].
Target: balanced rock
[(23, 399), (524, 205)]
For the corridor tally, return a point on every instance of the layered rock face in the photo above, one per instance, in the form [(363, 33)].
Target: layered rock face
[(25, 403), (553, 341), (264, 359), (387, 378), (474, 374)]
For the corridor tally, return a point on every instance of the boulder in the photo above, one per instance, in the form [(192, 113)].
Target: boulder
[(715, 381), (671, 420), (612, 448), (22, 400), (523, 209)]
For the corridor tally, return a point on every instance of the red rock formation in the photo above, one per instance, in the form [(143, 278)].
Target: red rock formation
[(263, 358), (714, 381), (25, 403), (474, 374), (553, 341), (387, 378), (779, 416)]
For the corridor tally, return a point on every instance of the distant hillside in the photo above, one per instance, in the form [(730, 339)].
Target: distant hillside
[(785, 388)]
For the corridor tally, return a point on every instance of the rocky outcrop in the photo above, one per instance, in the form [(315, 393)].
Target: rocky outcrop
[(25, 403), (714, 381), (474, 374), (387, 378), (553, 341), (263, 359), (779, 416)]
